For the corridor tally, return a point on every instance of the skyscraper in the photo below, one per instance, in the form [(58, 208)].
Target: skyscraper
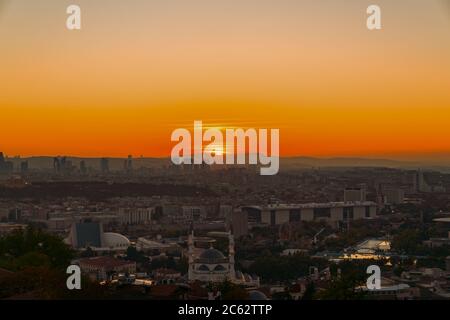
[(5, 166), (129, 164), (420, 183), (104, 165), (83, 169), (24, 167), (237, 222)]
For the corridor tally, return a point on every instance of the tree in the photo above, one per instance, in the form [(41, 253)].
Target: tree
[(88, 253), (182, 265), (407, 241), (284, 268), (284, 295), (32, 259), (230, 291), (134, 255), (309, 292), (39, 261), (353, 275), (25, 242), (47, 283), (342, 289)]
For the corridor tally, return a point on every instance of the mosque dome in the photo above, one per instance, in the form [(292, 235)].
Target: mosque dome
[(257, 295), (212, 256)]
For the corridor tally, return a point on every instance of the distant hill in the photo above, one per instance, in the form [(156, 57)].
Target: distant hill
[(346, 162), (46, 162)]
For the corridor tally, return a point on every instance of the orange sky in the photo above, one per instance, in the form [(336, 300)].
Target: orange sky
[(138, 70)]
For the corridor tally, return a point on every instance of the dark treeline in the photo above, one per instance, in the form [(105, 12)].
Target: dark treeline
[(100, 190)]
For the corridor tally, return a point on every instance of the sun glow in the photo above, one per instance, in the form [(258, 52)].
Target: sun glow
[(215, 149)]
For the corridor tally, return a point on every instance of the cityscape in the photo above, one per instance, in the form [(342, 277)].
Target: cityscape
[(192, 157), (148, 229)]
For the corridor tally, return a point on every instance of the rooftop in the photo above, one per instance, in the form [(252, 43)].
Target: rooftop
[(315, 205), (105, 262)]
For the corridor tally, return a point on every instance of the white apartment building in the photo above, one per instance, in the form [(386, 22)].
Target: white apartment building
[(134, 216), (332, 212)]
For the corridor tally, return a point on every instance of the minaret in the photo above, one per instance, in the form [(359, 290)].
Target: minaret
[(191, 256), (232, 275)]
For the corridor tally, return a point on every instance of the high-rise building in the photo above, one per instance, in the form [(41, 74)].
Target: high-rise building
[(130, 163), (83, 169), (24, 167), (355, 194), (394, 195), (57, 164), (5, 166), (420, 183), (104, 165), (60, 164), (237, 221)]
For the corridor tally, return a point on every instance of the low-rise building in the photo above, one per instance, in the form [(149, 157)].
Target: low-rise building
[(104, 267), (7, 228)]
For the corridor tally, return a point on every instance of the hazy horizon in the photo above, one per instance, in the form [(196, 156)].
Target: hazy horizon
[(357, 161)]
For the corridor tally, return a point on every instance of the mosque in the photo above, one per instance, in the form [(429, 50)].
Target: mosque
[(211, 265)]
